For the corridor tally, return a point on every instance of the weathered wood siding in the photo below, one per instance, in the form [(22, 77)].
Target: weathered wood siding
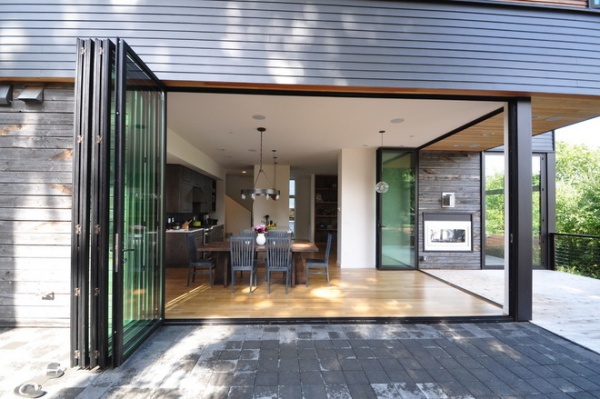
[(397, 44), (459, 173), (36, 142)]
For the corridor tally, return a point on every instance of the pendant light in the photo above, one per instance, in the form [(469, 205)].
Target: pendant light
[(255, 191), (274, 196), (382, 187)]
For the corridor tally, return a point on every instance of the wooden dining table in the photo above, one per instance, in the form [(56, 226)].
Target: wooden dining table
[(220, 250)]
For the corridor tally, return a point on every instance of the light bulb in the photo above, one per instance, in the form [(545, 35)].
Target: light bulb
[(382, 187)]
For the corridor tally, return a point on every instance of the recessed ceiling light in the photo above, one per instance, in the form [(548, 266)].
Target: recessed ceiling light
[(397, 120), (457, 145), (488, 134), (252, 150), (244, 172), (553, 118), (474, 145), (259, 117)]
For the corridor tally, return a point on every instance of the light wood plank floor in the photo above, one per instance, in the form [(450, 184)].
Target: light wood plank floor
[(352, 293)]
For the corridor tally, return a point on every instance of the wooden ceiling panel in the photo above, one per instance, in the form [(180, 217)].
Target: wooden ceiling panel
[(548, 113)]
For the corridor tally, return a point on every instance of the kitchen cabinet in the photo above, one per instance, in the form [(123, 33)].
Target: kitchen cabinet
[(185, 188), (326, 208)]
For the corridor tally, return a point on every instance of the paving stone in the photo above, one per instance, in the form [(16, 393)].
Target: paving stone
[(288, 378), (289, 392), (333, 377), (268, 378), (311, 378), (310, 391)]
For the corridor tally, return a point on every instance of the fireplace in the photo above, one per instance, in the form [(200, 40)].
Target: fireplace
[(447, 232)]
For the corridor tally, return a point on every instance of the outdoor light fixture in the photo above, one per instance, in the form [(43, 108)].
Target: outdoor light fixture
[(6, 94), (382, 187), (32, 94), (255, 191)]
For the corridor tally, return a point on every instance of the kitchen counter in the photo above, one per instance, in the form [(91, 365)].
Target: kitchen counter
[(176, 253)]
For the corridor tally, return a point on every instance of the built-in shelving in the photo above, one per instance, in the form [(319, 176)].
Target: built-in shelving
[(326, 207)]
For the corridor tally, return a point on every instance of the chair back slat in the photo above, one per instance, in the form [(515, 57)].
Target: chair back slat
[(241, 251), (328, 248), (191, 247), (279, 254), (279, 233)]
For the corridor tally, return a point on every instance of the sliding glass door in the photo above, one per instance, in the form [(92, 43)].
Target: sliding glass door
[(396, 232)]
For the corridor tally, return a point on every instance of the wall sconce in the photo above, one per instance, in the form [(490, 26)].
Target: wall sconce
[(448, 200), (32, 94), (6, 94)]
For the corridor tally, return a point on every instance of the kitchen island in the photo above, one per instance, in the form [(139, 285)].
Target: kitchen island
[(176, 253)]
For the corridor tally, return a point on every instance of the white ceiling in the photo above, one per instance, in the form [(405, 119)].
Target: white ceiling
[(308, 132)]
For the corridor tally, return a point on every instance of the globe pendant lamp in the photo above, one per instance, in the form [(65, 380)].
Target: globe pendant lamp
[(382, 187), (255, 191)]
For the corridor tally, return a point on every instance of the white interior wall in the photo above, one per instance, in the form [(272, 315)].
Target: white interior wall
[(356, 199)]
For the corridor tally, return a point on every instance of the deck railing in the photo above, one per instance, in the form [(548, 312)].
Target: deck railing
[(575, 253)]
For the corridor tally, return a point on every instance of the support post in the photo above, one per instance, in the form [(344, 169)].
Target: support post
[(520, 223)]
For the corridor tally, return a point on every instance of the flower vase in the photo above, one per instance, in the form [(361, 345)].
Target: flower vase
[(261, 239)]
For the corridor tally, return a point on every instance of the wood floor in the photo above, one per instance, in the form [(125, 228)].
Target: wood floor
[(351, 293)]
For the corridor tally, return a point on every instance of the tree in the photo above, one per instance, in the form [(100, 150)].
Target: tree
[(577, 189)]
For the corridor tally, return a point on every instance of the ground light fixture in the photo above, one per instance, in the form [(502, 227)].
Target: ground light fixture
[(382, 187), (255, 191)]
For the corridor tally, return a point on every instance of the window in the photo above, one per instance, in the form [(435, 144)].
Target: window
[(292, 205), (594, 3)]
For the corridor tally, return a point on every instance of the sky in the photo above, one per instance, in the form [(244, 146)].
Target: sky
[(587, 133)]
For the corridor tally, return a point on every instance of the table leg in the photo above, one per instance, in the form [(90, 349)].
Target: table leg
[(298, 269), (222, 269)]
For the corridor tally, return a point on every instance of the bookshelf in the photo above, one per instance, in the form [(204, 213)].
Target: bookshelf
[(326, 208)]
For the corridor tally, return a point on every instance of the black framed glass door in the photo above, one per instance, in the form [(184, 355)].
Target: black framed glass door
[(118, 240), (396, 228)]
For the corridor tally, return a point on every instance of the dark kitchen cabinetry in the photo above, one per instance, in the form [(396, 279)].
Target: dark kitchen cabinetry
[(326, 207), (188, 191)]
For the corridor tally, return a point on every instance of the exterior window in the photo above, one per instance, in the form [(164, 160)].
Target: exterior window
[(594, 3), (292, 206)]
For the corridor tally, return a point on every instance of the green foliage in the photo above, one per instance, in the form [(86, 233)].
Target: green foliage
[(577, 189), (578, 205)]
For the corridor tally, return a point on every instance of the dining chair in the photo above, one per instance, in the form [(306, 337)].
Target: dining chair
[(198, 265), (319, 266), (278, 259), (242, 258), (279, 233)]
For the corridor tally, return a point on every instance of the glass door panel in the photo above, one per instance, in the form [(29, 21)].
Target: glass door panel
[(138, 188), (396, 210), (494, 209)]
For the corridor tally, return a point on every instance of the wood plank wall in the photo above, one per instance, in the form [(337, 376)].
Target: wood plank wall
[(460, 173), (36, 143)]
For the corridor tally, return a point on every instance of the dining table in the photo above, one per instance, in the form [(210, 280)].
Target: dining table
[(220, 250)]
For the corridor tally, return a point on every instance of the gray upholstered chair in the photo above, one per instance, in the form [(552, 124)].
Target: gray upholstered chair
[(319, 266), (278, 259), (198, 265), (241, 259)]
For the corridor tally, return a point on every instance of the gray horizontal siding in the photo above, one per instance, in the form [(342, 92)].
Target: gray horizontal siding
[(347, 43)]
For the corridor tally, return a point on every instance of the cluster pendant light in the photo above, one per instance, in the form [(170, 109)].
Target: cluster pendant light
[(382, 187), (255, 191)]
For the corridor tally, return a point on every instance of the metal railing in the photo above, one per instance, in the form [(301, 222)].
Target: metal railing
[(575, 253)]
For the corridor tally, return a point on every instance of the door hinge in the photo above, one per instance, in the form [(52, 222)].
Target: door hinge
[(79, 139), (77, 229), (97, 229), (98, 139), (96, 291), (77, 292), (96, 354), (77, 354)]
